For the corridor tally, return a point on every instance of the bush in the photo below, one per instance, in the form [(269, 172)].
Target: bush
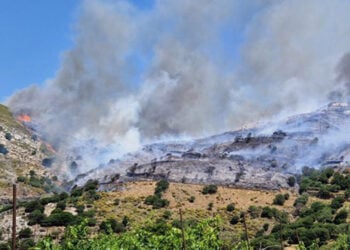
[(26, 244), (33, 205), (337, 202), (111, 225), (254, 211), (234, 220), (230, 207), (90, 185), (210, 189), (3, 149), (116, 202), (192, 199), (25, 233), (161, 186), (210, 206), (76, 192), (340, 217), (4, 246), (35, 217), (286, 196), (156, 201), (301, 200), (291, 181), (167, 214), (8, 136), (279, 200), (61, 205), (268, 212), (125, 221), (21, 179), (266, 227), (59, 219), (323, 193)]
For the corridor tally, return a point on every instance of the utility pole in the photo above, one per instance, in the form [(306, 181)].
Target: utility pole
[(182, 231), (14, 203), (246, 230)]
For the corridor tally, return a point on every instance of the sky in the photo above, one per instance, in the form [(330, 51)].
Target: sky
[(33, 36)]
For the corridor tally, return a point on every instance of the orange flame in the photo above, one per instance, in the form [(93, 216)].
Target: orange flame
[(24, 118)]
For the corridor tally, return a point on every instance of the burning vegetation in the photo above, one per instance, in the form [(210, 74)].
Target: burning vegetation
[(24, 118)]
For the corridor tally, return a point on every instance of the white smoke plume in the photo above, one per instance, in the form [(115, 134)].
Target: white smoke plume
[(138, 75)]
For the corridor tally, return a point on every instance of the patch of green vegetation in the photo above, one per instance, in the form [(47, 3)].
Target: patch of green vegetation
[(7, 119)]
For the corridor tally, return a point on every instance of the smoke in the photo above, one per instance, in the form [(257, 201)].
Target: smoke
[(187, 68)]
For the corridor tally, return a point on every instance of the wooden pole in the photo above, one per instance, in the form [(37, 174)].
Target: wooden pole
[(14, 203), (182, 231), (246, 230)]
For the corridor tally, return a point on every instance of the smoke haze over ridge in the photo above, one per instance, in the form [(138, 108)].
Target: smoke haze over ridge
[(139, 75)]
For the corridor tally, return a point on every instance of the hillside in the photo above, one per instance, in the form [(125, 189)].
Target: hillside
[(263, 156), (21, 156)]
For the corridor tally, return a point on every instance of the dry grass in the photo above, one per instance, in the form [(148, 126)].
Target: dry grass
[(133, 194)]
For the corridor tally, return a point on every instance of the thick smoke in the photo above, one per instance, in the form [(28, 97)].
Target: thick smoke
[(138, 75)]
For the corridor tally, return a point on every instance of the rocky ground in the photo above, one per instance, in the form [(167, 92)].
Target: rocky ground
[(260, 157)]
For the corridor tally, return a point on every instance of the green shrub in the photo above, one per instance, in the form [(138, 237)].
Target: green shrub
[(192, 199), (167, 214), (210, 189), (58, 219), (337, 202), (76, 192), (254, 211), (33, 205), (61, 205), (4, 246), (234, 220), (286, 196), (125, 221), (161, 186), (279, 200), (111, 225), (266, 227), (291, 181), (8, 136), (323, 193), (21, 179), (90, 185), (340, 217), (35, 217), (26, 244), (301, 200), (230, 207), (156, 201), (25, 233)]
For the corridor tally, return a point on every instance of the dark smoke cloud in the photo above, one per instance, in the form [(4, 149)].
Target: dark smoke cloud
[(343, 70), (188, 83)]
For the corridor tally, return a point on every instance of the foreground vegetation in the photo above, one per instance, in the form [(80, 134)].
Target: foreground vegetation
[(316, 218)]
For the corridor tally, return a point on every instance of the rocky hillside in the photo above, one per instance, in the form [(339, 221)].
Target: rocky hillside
[(21, 158), (263, 156)]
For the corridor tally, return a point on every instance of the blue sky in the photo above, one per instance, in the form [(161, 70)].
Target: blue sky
[(33, 35)]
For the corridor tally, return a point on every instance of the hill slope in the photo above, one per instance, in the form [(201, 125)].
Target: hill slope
[(21, 156)]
